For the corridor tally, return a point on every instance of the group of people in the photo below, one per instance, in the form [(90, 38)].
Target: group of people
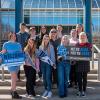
[(62, 72)]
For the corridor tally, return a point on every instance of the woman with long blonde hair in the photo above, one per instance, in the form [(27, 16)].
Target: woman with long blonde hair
[(63, 67), (46, 68)]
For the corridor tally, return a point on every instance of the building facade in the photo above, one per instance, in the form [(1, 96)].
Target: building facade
[(48, 12)]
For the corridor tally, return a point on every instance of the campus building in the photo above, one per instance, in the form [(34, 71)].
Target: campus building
[(49, 13)]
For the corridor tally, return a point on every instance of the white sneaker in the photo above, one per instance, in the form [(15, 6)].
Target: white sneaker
[(26, 95), (45, 94), (38, 80), (49, 94), (41, 79)]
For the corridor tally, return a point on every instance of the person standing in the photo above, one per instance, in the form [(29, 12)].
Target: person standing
[(22, 38), (30, 68), (55, 42), (83, 67), (79, 29), (63, 67), (11, 47), (46, 68), (32, 32), (59, 31), (43, 31), (72, 42)]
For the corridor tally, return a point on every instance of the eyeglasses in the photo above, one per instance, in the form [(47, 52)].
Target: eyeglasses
[(53, 32)]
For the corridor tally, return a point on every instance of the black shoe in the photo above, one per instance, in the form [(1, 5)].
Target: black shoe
[(62, 96), (15, 95), (33, 94), (65, 95)]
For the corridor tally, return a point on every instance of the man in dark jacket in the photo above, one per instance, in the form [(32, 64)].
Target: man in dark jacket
[(22, 37)]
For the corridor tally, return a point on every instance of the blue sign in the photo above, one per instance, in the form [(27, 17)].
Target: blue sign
[(80, 53), (13, 59), (77, 53), (44, 57)]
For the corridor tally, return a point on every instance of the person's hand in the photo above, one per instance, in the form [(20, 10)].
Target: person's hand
[(3, 51), (60, 58), (73, 62)]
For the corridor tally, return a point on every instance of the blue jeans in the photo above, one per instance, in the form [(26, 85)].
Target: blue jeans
[(46, 71), (63, 77)]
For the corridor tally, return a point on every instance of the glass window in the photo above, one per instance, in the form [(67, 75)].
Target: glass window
[(64, 4), (27, 3), (71, 3), (57, 20), (98, 1), (7, 3), (42, 4), (94, 5), (34, 20), (57, 4), (79, 3), (56, 17), (95, 24), (35, 4), (56, 13), (49, 20), (7, 23), (50, 4)]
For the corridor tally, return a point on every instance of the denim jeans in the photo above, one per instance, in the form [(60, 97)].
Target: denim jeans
[(63, 77), (46, 71)]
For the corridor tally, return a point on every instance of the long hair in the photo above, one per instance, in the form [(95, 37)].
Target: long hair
[(41, 33), (66, 37), (48, 45), (83, 33), (29, 49), (81, 25), (10, 35)]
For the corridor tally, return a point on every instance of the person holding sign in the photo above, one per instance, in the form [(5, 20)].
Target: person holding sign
[(11, 47), (83, 67), (63, 67), (46, 65)]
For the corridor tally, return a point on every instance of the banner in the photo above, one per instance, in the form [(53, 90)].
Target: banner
[(80, 53), (43, 57), (12, 59)]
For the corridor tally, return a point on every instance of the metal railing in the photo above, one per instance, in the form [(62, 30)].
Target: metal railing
[(98, 59), (2, 74)]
